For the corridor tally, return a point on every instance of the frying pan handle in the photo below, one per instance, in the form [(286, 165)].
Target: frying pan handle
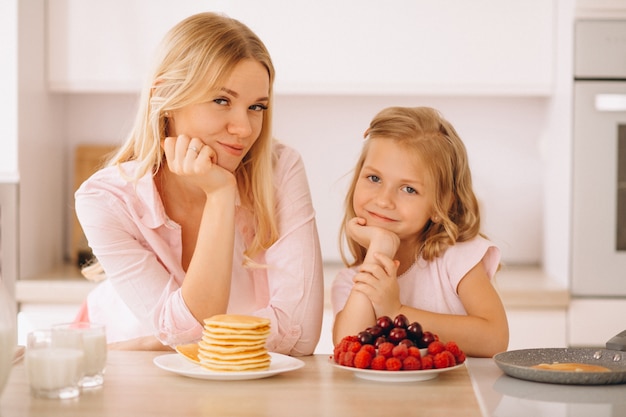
[(617, 342)]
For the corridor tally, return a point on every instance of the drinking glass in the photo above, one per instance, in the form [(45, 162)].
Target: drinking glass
[(94, 347), (54, 365)]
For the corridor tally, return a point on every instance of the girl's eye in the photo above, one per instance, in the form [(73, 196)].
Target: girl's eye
[(373, 178), (221, 101), (409, 190), (258, 107)]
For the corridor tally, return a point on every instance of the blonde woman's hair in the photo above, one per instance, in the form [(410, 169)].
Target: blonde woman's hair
[(196, 57), (424, 133)]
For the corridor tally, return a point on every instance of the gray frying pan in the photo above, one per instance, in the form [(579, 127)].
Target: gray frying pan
[(519, 363)]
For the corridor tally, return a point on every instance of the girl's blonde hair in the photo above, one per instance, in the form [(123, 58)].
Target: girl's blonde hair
[(196, 57), (437, 146)]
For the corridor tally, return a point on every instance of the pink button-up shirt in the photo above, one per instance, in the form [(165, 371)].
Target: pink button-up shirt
[(140, 249)]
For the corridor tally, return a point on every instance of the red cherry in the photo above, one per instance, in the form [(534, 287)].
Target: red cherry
[(396, 335), (415, 331), (385, 323), (375, 330), (365, 338), (401, 321), (379, 341), (426, 340)]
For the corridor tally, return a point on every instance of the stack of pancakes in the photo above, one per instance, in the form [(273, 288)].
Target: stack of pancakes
[(232, 343)]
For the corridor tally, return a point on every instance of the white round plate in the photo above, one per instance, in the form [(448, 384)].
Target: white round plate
[(174, 362), (396, 376)]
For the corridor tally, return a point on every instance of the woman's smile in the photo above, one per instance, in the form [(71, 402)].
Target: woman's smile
[(233, 149)]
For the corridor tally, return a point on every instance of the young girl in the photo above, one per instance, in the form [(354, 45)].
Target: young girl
[(412, 225), (200, 212)]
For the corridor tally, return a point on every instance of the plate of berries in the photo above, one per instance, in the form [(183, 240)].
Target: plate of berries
[(396, 351)]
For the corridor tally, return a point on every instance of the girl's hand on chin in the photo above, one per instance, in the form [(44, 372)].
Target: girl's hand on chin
[(366, 236)]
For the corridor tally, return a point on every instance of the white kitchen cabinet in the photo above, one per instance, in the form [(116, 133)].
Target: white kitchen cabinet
[(593, 321), (448, 47), (532, 328)]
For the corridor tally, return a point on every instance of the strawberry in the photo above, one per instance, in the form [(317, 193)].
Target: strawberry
[(378, 363), (363, 359), (393, 364)]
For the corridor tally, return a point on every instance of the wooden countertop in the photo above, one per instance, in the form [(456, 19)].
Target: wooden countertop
[(134, 386)]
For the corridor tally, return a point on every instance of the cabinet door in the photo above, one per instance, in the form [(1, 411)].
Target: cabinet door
[(324, 46)]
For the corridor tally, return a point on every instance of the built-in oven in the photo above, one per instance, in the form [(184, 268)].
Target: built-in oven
[(598, 246), (599, 160)]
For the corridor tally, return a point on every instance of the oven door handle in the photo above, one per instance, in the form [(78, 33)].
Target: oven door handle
[(610, 102)]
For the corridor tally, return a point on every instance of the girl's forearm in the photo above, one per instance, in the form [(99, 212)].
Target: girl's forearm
[(476, 336), (357, 315)]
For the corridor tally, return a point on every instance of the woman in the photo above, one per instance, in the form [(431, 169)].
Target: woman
[(200, 212)]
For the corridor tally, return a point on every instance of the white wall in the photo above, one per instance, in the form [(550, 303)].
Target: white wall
[(502, 136), (8, 89), (42, 150)]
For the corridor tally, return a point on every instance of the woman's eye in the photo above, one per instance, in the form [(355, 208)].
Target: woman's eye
[(258, 107), (373, 178), (410, 190), (221, 101)]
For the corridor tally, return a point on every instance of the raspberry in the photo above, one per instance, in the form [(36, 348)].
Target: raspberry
[(386, 349), (436, 347), (443, 360), (451, 357), (453, 348), (343, 345), (336, 353), (354, 346), (347, 359), (378, 363), (363, 359), (415, 352), (393, 364), (411, 363), (427, 362), (370, 348), (400, 352)]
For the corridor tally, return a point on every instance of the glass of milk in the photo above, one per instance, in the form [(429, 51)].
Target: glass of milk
[(94, 344), (54, 365)]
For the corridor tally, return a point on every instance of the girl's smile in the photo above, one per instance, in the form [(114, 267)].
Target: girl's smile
[(391, 191)]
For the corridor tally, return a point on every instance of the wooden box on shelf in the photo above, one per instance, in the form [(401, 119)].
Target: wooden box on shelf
[(87, 160)]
